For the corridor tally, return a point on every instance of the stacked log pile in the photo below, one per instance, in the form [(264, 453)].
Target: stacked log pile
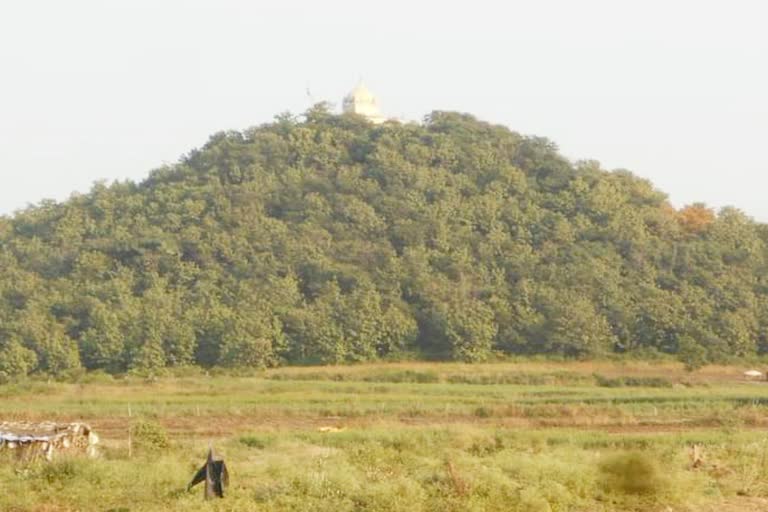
[(32, 441)]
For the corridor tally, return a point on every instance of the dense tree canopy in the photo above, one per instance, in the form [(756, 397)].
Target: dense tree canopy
[(328, 239)]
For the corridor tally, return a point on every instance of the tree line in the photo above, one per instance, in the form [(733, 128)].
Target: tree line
[(322, 238)]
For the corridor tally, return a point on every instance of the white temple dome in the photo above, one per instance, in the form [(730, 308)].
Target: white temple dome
[(362, 102)]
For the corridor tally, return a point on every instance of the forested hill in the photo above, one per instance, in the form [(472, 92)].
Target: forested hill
[(327, 239)]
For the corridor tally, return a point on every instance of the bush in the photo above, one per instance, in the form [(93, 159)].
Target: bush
[(632, 473), (96, 377), (483, 412), (149, 435)]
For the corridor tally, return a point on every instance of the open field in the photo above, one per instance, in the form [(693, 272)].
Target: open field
[(532, 436)]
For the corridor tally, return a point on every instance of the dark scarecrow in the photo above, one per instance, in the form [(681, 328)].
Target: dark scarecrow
[(214, 474)]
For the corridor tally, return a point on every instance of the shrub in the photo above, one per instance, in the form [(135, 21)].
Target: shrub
[(149, 435), (95, 377), (483, 412), (632, 473)]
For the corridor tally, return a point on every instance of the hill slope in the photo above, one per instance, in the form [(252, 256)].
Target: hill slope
[(331, 240)]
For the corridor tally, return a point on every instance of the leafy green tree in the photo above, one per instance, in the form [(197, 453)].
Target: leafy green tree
[(16, 361), (102, 345), (251, 339)]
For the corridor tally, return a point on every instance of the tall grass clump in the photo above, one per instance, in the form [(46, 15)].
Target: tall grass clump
[(258, 441), (404, 376), (375, 375), (640, 382), (60, 471), (559, 378)]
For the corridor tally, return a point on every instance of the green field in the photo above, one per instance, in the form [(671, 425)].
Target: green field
[(533, 436)]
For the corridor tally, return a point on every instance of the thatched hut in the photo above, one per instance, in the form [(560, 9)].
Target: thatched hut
[(31, 441)]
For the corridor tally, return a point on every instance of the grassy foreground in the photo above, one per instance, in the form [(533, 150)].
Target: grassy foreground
[(416, 437)]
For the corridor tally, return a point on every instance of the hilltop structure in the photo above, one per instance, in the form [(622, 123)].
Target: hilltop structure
[(362, 102)]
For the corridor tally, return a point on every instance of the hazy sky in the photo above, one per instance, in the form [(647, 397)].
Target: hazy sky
[(674, 90)]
